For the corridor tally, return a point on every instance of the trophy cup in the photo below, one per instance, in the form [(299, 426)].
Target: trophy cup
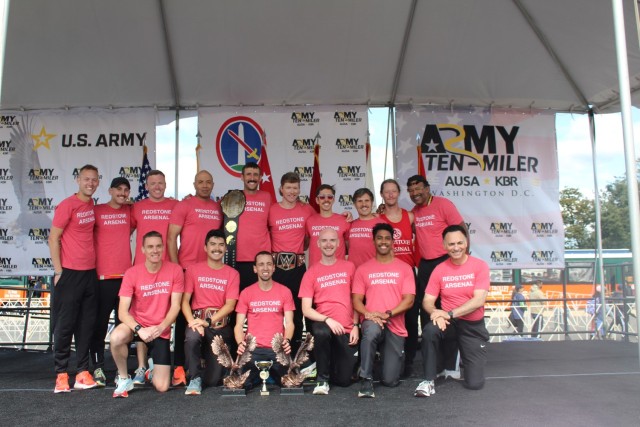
[(264, 367), (232, 205)]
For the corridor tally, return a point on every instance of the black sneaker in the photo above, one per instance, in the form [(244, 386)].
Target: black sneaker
[(366, 388)]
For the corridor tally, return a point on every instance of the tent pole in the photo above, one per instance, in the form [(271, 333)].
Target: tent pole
[(629, 149), (386, 147), (177, 167), (599, 260)]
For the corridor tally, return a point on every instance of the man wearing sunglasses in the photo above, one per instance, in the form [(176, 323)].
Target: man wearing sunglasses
[(326, 218)]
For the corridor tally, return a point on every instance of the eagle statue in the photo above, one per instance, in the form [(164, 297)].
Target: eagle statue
[(294, 377), (236, 378)]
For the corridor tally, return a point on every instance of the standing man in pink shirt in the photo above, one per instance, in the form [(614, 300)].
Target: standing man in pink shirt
[(432, 215), (326, 303), (253, 225), (74, 263), (151, 214), (383, 290), (325, 196), (113, 257), (287, 221), (462, 283), (150, 298), (360, 237), (403, 248), (191, 220)]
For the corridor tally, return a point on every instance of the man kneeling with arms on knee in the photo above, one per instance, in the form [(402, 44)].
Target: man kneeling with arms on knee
[(210, 296), (150, 298), (462, 283)]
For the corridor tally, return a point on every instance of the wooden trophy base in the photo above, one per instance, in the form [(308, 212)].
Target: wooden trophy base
[(233, 392), (292, 391)]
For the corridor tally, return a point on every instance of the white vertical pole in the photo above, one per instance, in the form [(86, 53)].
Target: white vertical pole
[(629, 149)]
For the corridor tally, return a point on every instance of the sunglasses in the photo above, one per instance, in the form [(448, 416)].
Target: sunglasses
[(326, 196)]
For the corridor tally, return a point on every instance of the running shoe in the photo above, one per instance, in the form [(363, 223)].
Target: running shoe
[(84, 381), (139, 377), (446, 373), (310, 371), (425, 389), (99, 377), (195, 387), (148, 375), (322, 388), (179, 377), (366, 388), (123, 386), (62, 383)]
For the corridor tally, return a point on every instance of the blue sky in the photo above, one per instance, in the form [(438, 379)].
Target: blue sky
[(572, 130)]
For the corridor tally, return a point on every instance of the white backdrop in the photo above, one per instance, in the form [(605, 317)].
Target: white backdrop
[(40, 154), (500, 169), (291, 133)]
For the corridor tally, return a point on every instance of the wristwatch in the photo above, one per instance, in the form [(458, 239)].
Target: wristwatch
[(389, 312), (450, 313), (136, 329)]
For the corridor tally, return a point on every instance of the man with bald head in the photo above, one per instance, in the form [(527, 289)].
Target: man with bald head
[(191, 219), (325, 292)]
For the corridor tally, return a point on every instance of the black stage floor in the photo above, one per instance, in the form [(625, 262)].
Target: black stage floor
[(595, 383)]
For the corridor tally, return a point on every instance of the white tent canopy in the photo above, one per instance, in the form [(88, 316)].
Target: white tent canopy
[(174, 53)]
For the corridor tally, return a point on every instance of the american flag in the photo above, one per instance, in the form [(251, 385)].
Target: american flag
[(144, 172)]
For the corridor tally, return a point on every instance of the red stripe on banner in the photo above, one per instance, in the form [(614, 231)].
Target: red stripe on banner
[(266, 179), (316, 180), (421, 170)]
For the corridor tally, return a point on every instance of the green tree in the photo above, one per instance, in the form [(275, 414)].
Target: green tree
[(616, 228), (578, 215)]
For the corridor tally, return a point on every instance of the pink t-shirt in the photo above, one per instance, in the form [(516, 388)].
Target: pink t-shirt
[(265, 311), (253, 231), (430, 221), (316, 224), (360, 236), (455, 284), (403, 248), (150, 293), (146, 216), (112, 236), (209, 287), (287, 227), (196, 217), (76, 219), (330, 288), (383, 286)]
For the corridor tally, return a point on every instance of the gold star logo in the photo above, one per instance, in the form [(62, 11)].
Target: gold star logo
[(487, 181), (42, 139)]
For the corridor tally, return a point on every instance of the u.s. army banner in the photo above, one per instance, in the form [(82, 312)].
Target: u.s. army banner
[(40, 154), (500, 169)]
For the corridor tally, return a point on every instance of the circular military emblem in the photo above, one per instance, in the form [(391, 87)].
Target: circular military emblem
[(239, 141)]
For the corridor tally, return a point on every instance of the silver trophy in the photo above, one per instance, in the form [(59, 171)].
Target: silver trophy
[(264, 366)]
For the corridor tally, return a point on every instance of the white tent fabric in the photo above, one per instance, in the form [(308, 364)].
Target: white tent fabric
[(173, 53)]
